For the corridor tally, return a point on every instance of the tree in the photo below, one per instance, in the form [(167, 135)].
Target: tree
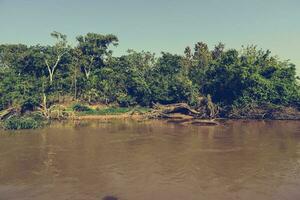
[(75, 69), (53, 55), (218, 51), (188, 53), (11, 56), (199, 63), (93, 49), (169, 82), (202, 54)]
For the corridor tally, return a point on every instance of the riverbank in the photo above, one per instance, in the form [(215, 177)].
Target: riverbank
[(269, 113), (173, 113)]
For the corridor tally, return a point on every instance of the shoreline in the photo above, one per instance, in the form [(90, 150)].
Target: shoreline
[(176, 117), (109, 117), (216, 122), (176, 113)]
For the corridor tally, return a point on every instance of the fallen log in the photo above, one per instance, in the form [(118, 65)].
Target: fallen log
[(182, 113), (173, 110), (182, 108)]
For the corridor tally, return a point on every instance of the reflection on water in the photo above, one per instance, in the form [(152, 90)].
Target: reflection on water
[(152, 160)]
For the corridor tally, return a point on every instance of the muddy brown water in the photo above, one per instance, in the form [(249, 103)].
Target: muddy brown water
[(243, 160)]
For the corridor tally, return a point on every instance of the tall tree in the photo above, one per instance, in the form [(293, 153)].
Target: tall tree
[(93, 49), (202, 54), (54, 54), (218, 51)]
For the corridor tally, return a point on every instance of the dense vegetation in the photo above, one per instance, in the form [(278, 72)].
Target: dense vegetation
[(38, 77), (21, 122)]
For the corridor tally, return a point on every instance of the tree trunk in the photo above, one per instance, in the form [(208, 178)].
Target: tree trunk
[(51, 69), (75, 89)]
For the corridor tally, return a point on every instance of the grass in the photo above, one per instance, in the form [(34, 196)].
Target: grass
[(115, 111), (106, 111), (84, 109)]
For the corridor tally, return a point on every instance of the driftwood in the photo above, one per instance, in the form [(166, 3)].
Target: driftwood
[(204, 110), (166, 111), (181, 113), (207, 108)]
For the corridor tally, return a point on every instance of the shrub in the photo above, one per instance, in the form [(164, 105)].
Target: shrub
[(125, 100), (37, 116), (17, 123), (80, 107)]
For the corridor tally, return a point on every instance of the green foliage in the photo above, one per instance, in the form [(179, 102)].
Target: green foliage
[(78, 107), (125, 100), (16, 123), (108, 111), (251, 77), (169, 82), (88, 72)]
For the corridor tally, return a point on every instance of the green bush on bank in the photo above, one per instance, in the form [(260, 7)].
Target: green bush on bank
[(78, 107), (17, 123)]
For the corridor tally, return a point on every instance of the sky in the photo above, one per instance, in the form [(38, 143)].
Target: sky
[(158, 25)]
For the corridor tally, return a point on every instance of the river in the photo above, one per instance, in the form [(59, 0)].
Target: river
[(152, 160)]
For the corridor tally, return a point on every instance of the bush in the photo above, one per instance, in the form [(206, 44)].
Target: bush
[(28, 105), (125, 100), (108, 111), (17, 123), (80, 107), (37, 116)]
